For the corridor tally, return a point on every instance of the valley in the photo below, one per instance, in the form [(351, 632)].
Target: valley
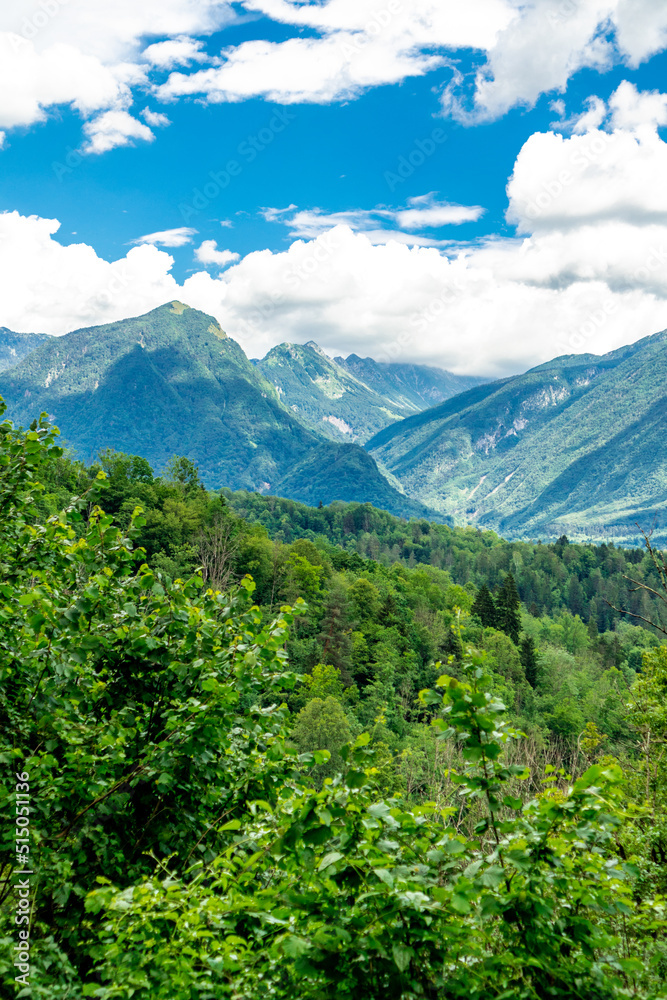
[(572, 447)]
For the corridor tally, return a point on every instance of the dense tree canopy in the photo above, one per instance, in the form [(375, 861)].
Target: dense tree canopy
[(375, 793)]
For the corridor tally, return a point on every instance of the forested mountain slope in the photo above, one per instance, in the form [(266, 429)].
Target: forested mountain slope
[(16, 346), (155, 385), (351, 399), (172, 382), (575, 445)]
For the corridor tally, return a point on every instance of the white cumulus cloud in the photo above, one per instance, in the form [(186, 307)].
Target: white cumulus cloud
[(112, 129), (632, 109), (33, 81), (561, 182), (541, 48), (426, 212), (53, 288), (155, 118), (88, 56), (208, 253), (175, 52)]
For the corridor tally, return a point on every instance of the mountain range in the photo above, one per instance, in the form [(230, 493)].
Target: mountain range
[(350, 399), (574, 446), (172, 382)]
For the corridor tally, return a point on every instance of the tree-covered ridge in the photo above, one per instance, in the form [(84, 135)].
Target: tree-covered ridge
[(16, 346), (351, 399), (172, 381), (586, 580), (573, 446), (192, 836)]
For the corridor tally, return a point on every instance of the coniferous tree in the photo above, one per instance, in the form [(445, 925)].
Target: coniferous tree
[(528, 655), (485, 608), (593, 631), (334, 636), (508, 609)]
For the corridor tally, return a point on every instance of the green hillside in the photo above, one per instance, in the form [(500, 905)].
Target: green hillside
[(574, 446), (348, 473), (351, 399), (172, 382), (155, 385), (270, 750), (324, 396), (16, 346)]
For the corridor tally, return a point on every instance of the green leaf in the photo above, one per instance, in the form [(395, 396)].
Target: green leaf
[(403, 955), (460, 903), (441, 894), (234, 824), (492, 877), (631, 965), (294, 946), (317, 836), (379, 810), (329, 859), (454, 846), (588, 778)]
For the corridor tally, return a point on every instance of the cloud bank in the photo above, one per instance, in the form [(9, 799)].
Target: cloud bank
[(587, 270), (99, 58)]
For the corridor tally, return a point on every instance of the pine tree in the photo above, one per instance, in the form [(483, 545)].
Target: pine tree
[(528, 656), (485, 608), (593, 631), (508, 609), (334, 638)]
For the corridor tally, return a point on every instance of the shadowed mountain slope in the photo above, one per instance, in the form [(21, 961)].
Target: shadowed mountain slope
[(576, 445), (172, 382), (334, 472)]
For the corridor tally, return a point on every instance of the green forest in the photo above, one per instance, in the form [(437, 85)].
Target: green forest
[(256, 749)]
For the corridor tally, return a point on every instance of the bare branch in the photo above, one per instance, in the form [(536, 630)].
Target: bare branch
[(643, 586), (218, 544), (641, 618)]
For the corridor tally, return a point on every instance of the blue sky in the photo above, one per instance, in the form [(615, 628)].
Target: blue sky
[(210, 155)]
